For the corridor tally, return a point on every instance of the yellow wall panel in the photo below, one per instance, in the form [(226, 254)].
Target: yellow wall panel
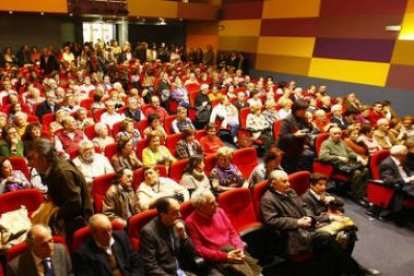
[(403, 52), (153, 8), (407, 28), (410, 6), (291, 9), (55, 6), (283, 64), (239, 43), (372, 73), (239, 27), (287, 46)]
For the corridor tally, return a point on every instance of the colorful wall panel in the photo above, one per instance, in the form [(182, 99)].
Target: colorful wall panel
[(328, 39)]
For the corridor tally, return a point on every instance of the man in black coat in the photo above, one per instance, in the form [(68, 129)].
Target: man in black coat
[(294, 139), (48, 62), (106, 252), (394, 173), (282, 211), (165, 247), (67, 187), (47, 106)]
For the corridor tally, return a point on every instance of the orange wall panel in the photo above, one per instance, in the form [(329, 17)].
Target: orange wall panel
[(54, 6), (153, 8), (201, 41)]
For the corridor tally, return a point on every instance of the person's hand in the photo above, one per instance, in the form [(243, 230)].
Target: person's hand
[(304, 222), (180, 229), (235, 256), (300, 133), (328, 199), (343, 159)]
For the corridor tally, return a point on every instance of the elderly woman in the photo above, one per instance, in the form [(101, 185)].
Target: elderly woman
[(125, 156), (321, 121), (194, 177), (156, 153), (188, 145), (11, 145), (180, 93), (270, 112), (210, 143), (82, 118), (154, 124), (257, 124), (286, 108), (102, 139), (271, 161), (366, 137), (155, 187), (215, 238), (20, 122), (11, 180), (121, 201), (228, 114), (226, 176), (110, 117), (255, 99), (57, 124), (127, 130)]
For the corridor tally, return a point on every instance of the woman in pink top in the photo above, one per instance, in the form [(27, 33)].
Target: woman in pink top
[(214, 237)]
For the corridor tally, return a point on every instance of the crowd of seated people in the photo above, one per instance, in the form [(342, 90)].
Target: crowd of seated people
[(107, 110)]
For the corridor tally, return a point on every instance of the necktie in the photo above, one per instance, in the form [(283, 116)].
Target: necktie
[(47, 265)]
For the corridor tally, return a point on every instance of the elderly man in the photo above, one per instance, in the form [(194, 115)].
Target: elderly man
[(91, 164), (384, 137), (165, 247), (156, 108), (282, 210), (345, 161), (71, 135), (48, 105), (134, 110), (394, 172), (44, 257), (107, 252), (121, 201), (337, 117), (215, 239), (67, 187), (182, 121), (110, 117)]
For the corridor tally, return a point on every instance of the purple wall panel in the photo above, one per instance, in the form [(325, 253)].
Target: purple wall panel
[(242, 10), (401, 76), (354, 49), (303, 27), (350, 7)]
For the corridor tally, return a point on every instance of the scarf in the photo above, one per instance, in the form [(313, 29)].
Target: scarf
[(199, 176)]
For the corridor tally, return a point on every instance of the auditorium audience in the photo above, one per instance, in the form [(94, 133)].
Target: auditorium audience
[(11, 144), (126, 129), (10, 179), (156, 153), (154, 125), (110, 117), (182, 121), (194, 177), (102, 138), (271, 161), (210, 143), (71, 135)]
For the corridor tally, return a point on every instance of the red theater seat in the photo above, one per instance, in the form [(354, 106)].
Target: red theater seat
[(136, 223)]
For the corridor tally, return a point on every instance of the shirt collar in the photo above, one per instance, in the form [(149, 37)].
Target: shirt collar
[(318, 197), (108, 249), (396, 161)]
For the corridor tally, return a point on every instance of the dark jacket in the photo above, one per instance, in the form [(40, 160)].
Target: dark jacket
[(49, 64), (341, 124), (90, 260), (281, 213), (159, 255), (44, 108), (317, 207), (24, 264), (391, 175), (291, 145), (67, 189)]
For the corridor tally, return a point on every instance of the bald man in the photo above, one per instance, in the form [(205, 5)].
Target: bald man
[(106, 252), (43, 258)]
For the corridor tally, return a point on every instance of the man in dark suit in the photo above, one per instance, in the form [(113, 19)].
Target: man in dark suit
[(165, 247), (47, 106), (43, 256), (67, 187), (106, 252), (282, 210), (294, 139), (394, 173), (48, 62)]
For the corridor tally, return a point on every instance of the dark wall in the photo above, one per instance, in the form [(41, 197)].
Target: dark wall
[(170, 33), (17, 29), (402, 100)]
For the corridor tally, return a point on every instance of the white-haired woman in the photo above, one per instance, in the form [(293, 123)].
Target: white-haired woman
[(216, 240), (102, 139)]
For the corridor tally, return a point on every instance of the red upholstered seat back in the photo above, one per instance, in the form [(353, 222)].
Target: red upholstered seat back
[(30, 198), (300, 181), (99, 187), (136, 223), (246, 160), (375, 161), (258, 192)]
